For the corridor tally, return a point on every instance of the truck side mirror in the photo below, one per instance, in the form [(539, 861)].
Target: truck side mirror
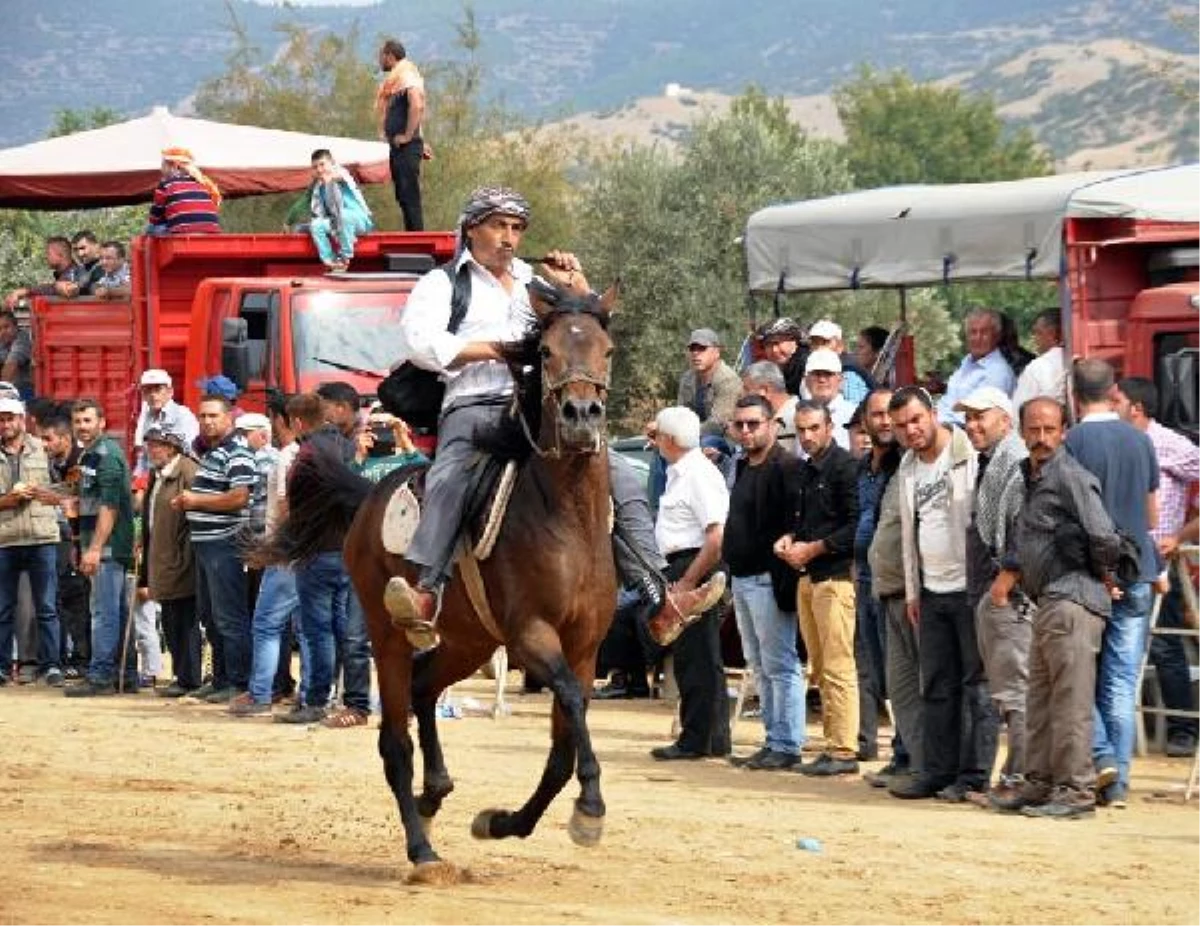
[(235, 351)]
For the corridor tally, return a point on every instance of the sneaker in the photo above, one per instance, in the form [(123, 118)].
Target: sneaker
[(743, 761), (53, 677), (1180, 746), (1064, 804), (917, 787), (202, 693), (222, 695), (302, 715), (1106, 774), (827, 765), (90, 688), (1114, 795), (27, 674), (883, 777), (772, 761), (245, 706)]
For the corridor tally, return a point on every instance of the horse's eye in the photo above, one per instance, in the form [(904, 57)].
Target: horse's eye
[(544, 351), (608, 353)]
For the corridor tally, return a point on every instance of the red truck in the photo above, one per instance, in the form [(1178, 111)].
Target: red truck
[(259, 309), (1124, 247)]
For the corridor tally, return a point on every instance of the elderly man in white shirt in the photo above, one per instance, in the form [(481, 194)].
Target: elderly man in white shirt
[(823, 383), (984, 365), (479, 387), (1045, 375), (689, 531), (160, 410)]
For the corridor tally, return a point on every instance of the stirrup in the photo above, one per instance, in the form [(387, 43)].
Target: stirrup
[(400, 600)]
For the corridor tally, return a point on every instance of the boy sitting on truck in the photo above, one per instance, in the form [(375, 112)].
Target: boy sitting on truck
[(339, 211)]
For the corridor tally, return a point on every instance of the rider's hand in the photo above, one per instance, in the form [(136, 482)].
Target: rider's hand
[(562, 268)]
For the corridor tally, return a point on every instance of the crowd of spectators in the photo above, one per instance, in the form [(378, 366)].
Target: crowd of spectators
[(987, 566)]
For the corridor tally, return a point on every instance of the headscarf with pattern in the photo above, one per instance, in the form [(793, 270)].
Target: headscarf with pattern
[(182, 158)]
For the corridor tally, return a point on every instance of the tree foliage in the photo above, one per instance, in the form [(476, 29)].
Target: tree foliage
[(668, 226), (901, 131)]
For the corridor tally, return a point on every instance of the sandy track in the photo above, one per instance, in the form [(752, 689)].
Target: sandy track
[(135, 809)]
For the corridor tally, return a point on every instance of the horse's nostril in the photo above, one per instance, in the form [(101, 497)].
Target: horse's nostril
[(570, 411), (596, 410)]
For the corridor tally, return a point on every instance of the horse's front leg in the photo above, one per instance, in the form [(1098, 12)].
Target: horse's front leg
[(569, 740), (426, 688)]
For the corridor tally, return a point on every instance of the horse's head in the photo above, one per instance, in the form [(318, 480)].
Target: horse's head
[(576, 354)]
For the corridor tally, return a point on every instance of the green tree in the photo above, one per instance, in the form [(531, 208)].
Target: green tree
[(70, 121), (901, 131), (668, 225)]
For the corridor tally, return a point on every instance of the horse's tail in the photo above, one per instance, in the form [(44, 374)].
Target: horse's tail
[(323, 496)]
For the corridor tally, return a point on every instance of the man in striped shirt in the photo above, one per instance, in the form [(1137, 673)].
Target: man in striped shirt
[(218, 509), (185, 201)]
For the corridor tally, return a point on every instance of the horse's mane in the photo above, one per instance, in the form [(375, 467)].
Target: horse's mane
[(506, 439)]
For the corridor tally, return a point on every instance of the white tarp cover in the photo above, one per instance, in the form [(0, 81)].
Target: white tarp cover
[(918, 235), (120, 164)]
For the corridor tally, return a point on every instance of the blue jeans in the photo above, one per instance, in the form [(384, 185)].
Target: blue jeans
[(321, 230), (1114, 720), (350, 629), (110, 614), (277, 600), (769, 643), (221, 598), (320, 583), (40, 561)]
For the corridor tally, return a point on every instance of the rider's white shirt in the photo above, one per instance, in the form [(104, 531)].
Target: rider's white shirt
[(695, 498), (492, 315)]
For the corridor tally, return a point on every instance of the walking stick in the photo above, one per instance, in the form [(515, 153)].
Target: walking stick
[(131, 603)]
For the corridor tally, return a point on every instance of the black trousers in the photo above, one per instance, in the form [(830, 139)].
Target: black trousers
[(74, 611), (181, 627), (628, 647), (704, 706), (405, 164), (961, 725)]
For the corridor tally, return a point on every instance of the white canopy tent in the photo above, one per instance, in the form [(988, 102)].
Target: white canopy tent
[(923, 235)]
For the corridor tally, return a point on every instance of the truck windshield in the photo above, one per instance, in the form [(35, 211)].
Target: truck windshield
[(355, 330)]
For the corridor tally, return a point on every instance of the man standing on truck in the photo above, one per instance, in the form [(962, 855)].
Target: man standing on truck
[(400, 105)]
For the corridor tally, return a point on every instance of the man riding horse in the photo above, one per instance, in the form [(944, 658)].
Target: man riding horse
[(479, 390)]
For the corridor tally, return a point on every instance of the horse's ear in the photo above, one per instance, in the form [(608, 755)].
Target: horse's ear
[(543, 298), (610, 300)]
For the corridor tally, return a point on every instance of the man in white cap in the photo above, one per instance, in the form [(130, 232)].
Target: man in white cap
[(161, 411), (1002, 611), (856, 382), (823, 382), (28, 538), (255, 429)]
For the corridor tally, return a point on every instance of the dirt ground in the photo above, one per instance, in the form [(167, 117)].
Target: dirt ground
[(141, 810)]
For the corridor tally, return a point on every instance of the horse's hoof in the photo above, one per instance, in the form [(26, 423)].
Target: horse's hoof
[(481, 826), (585, 830), (436, 874)]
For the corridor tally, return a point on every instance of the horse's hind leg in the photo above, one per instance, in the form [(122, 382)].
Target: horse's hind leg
[(569, 740)]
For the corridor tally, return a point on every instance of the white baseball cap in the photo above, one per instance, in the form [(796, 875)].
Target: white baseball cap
[(252, 421), (823, 360), (11, 406), (983, 398), (830, 331), (155, 377)]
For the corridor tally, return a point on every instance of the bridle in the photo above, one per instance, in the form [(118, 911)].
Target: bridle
[(552, 388)]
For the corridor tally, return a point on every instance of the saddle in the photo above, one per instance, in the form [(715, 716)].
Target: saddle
[(487, 502)]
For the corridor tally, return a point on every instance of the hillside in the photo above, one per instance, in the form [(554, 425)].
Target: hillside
[(1098, 105), (551, 59)]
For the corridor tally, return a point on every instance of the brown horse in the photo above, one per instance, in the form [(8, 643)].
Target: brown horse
[(550, 582)]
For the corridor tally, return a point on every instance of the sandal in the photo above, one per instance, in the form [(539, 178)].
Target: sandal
[(346, 717)]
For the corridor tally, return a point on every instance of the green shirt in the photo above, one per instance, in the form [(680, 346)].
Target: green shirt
[(104, 483), (375, 468)]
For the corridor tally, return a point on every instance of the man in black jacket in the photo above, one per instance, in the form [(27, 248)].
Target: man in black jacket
[(758, 515), (824, 517)]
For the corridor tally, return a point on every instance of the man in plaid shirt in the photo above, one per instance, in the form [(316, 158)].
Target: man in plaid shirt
[(1179, 471)]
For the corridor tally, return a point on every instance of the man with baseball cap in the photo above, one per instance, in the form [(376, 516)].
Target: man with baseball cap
[(779, 342), (823, 383), (28, 538), (709, 386), (1002, 612), (856, 382), (160, 410)]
